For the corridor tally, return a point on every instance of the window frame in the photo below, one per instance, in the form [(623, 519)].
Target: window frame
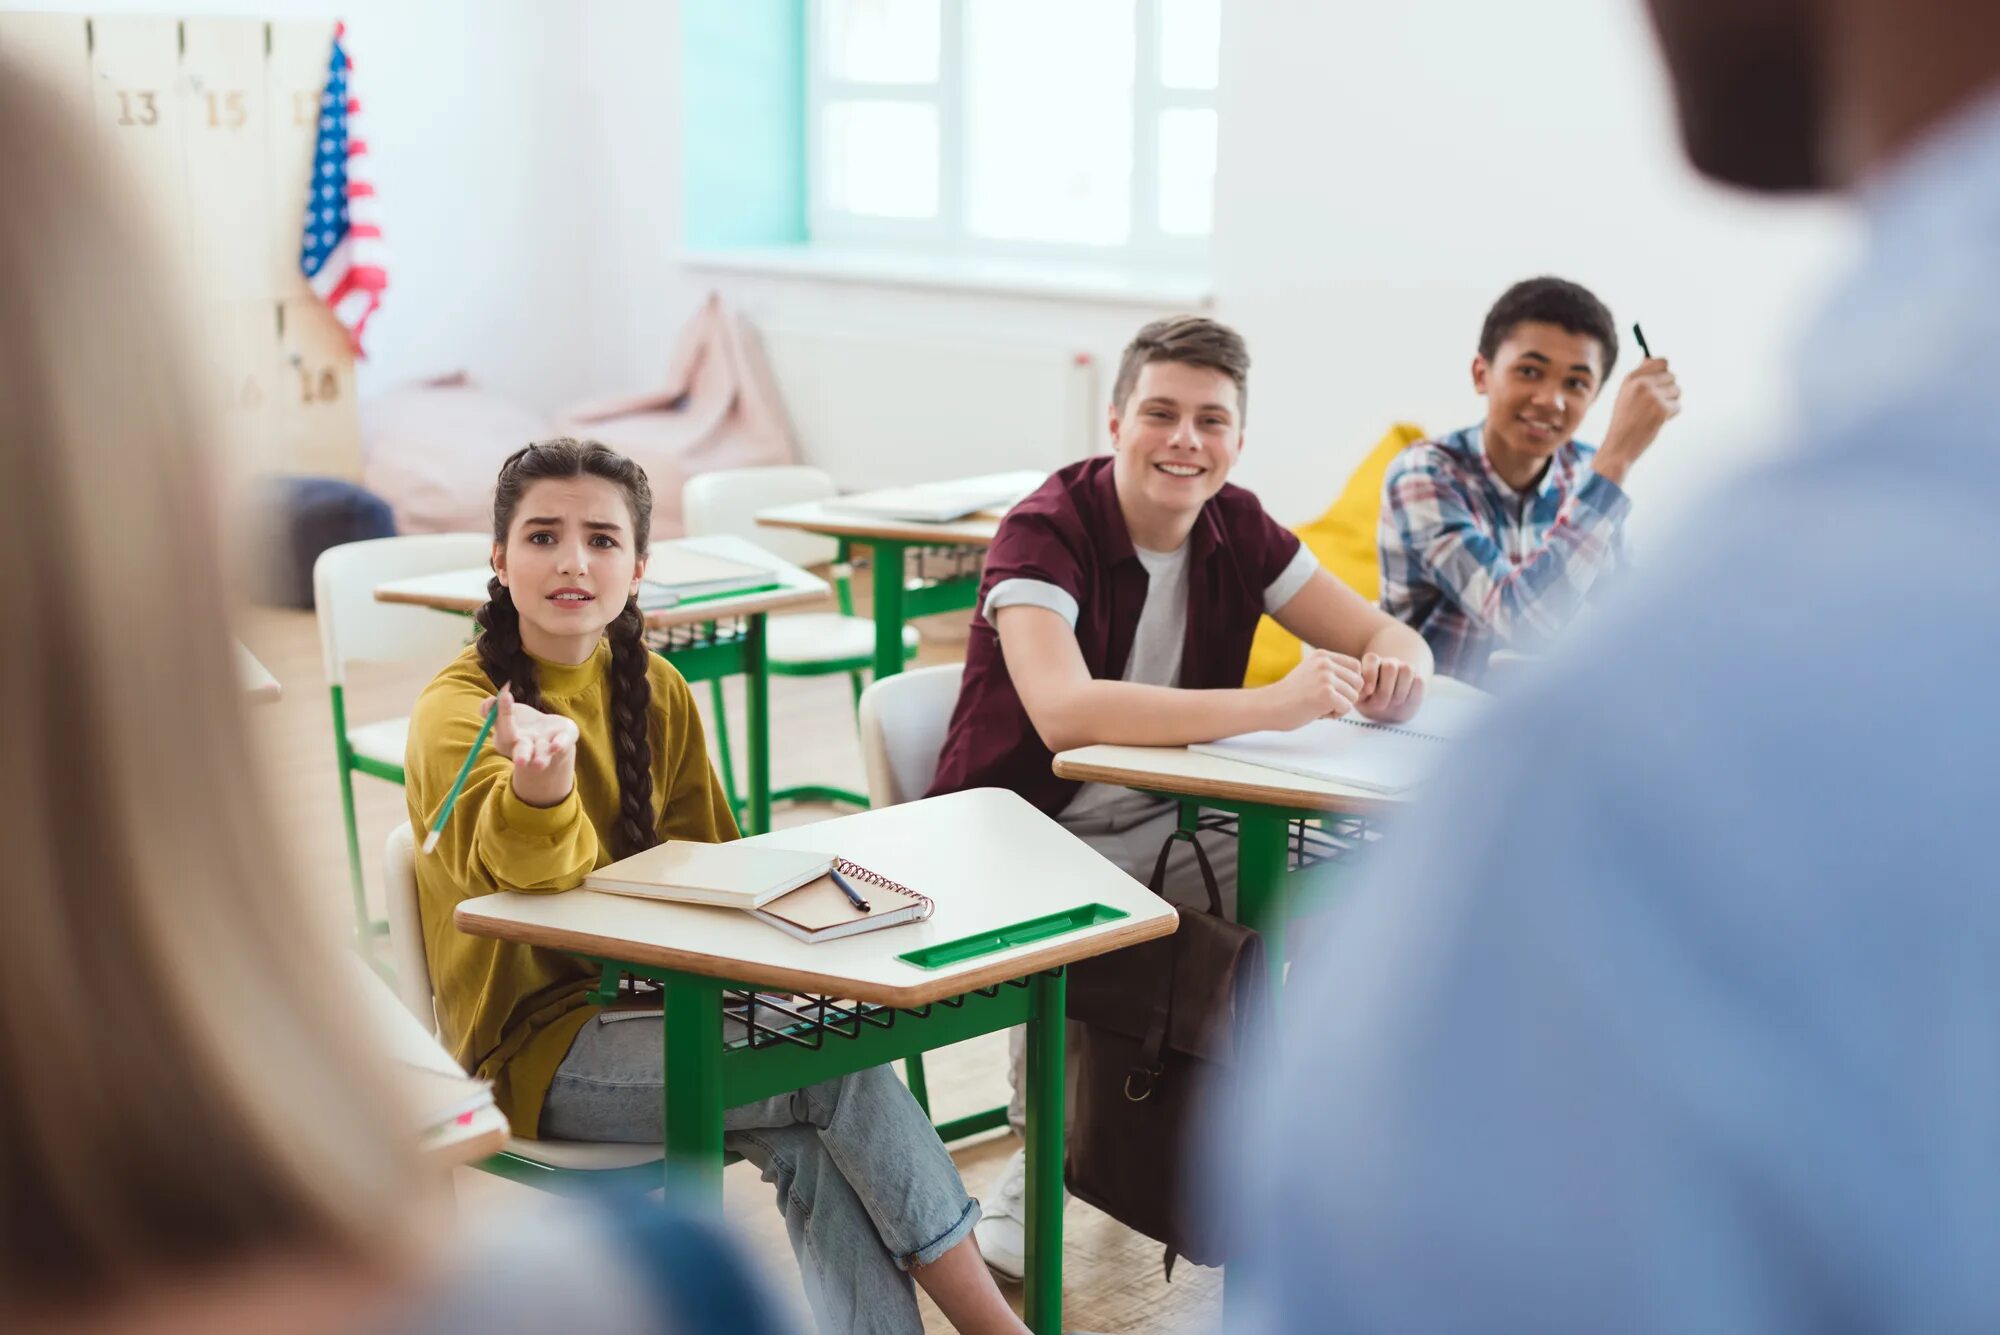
[(945, 233)]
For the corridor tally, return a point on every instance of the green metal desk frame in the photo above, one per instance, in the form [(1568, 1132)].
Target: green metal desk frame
[(900, 596), (703, 651), (704, 1076)]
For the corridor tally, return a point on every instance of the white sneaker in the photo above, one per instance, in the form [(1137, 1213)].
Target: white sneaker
[(1002, 1230)]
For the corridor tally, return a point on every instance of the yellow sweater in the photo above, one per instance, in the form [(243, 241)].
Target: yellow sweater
[(509, 1012)]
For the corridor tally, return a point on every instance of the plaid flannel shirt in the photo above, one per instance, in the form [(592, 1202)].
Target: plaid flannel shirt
[(1475, 565)]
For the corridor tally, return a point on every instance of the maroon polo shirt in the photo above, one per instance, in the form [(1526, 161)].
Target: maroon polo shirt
[(1070, 533)]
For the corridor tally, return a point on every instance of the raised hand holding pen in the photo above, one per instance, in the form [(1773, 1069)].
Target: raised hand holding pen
[(541, 745), (1647, 401)]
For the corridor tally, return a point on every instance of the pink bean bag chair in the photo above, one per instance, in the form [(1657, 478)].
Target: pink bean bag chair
[(719, 408)]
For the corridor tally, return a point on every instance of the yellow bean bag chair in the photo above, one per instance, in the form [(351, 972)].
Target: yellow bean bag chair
[(1344, 541)]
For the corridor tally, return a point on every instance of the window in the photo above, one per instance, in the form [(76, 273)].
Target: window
[(1065, 128)]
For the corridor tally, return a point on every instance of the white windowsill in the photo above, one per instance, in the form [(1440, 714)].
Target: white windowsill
[(1063, 280)]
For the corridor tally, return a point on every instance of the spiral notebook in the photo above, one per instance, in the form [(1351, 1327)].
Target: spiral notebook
[(818, 911), (1381, 757)]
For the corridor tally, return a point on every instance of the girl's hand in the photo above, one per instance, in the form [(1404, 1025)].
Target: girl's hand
[(541, 745)]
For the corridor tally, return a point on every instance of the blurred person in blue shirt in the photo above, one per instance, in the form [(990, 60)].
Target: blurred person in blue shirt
[(1678, 1005)]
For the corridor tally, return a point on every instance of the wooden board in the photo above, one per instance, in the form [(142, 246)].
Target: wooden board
[(228, 158), (987, 857), (57, 48), (317, 428), (141, 115)]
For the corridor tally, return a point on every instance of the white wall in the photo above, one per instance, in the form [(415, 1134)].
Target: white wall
[(1386, 171), (473, 111)]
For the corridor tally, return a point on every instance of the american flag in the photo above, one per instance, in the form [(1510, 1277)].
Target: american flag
[(341, 253)]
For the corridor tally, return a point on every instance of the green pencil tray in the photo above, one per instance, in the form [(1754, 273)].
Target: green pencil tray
[(947, 953)]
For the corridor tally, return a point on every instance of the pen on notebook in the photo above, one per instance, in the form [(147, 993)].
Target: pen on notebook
[(1640, 334), (444, 812), (848, 889)]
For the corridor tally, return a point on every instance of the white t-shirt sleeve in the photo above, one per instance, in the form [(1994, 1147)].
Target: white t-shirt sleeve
[(1030, 593), (1290, 580)]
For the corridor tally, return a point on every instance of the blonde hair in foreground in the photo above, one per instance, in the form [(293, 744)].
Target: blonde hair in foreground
[(181, 1086)]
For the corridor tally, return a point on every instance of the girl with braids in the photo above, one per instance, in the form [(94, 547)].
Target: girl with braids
[(596, 754)]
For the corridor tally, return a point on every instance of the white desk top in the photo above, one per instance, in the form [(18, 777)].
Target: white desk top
[(258, 683), (1183, 773), (817, 517), (988, 858), (465, 590)]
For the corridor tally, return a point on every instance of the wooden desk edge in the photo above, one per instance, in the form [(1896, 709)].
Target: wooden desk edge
[(1288, 799), (919, 993)]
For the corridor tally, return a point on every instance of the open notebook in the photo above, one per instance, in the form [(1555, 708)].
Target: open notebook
[(450, 1105), (818, 911), (1380, 757)]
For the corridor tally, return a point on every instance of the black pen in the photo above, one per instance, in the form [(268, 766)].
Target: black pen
[(848, 890), (1640, 334)]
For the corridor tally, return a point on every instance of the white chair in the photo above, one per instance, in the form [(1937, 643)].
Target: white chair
[(552, 1164), (354, 628), (903, 724), (806, 644)]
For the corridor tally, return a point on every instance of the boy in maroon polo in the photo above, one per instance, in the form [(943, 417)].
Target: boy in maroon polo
[(1118, 604)]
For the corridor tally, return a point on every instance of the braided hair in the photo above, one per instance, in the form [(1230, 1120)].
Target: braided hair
[(507, 663)]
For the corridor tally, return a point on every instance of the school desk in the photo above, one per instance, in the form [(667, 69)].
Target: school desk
[(1265, 802), (920, 569), (258, 683), (715, 637), (1018, 899)]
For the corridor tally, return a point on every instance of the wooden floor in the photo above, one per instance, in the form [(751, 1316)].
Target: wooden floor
[(1112, 1278)]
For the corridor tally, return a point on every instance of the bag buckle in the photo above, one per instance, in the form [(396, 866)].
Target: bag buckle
[(1146, 1091)]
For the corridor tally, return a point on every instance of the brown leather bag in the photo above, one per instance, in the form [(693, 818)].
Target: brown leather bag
[(1159, 1023)]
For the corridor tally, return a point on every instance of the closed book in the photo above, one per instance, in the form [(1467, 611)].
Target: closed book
[(733, 875), (679, 574), (820, 911)]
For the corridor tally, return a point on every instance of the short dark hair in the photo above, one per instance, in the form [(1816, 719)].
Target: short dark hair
[(1193, 340), (1555, 301)]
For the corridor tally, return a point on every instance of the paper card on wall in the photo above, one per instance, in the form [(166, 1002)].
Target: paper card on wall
[(318, 430), (137, 92), (228, 158)]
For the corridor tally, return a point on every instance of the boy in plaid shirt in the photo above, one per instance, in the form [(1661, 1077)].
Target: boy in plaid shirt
[(1492, 536)]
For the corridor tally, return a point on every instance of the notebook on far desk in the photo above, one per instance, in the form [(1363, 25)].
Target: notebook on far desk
[(942, 502), (680, 575)]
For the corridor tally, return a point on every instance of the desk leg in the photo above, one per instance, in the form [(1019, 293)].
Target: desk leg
[(757, 705), (1043, 1299), (693, 1066), (1260, 883), (888, 563)]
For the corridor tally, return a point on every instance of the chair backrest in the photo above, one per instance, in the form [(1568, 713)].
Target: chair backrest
[(354, 628), (903, 723), (406, 926), (727, 501)]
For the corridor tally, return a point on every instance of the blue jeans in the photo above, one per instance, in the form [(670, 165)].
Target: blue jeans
[(865, 1185)]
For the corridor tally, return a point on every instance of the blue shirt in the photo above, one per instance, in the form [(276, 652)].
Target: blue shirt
[(1677, 1007), (1474, 565)]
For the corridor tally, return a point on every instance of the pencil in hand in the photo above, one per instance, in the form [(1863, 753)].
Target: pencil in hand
[(451, 798), (1640, 334)]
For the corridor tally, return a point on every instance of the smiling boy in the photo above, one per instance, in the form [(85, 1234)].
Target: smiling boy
[(1492, 536), (1117, 605)]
